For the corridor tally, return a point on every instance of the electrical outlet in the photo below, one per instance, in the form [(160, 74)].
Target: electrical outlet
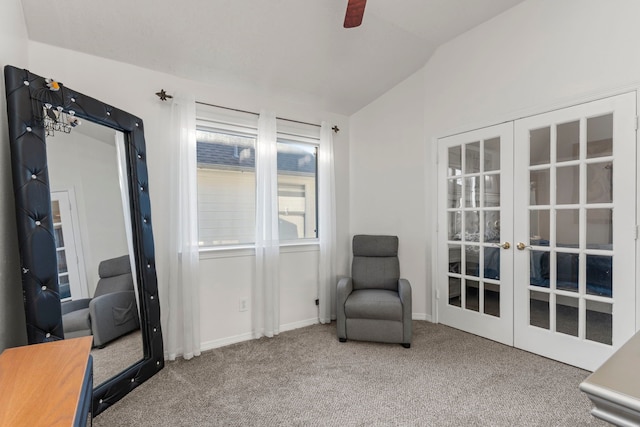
[(244, 304)]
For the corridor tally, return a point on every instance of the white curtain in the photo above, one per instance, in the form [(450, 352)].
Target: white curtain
[(266, 295), (327, 223), (183, 321)]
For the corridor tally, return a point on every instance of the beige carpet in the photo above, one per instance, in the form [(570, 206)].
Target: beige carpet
[(306, 377), (116, 356)]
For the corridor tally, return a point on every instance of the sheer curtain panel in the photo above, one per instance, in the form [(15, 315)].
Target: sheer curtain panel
[(266, 295), (327, 224), (183, 335)]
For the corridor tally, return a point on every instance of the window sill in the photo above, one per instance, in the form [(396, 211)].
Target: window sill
[(307, 245)]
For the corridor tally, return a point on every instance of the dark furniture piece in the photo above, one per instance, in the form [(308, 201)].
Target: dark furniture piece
[(111, 313), (27, 93), (374, 304)]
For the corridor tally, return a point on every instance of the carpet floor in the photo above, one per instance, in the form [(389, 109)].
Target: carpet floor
[(305, 377)]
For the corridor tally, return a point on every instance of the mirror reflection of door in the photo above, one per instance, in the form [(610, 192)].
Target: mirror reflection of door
[(94, 245), (71, 274)]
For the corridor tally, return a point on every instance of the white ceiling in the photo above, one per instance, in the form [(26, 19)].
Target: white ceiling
[(274, 46)]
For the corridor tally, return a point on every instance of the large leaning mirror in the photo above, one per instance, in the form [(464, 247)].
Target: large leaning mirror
[(84, 229)]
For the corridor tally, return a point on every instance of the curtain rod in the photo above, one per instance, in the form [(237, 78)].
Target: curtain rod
[(164, 96), (256, 114)]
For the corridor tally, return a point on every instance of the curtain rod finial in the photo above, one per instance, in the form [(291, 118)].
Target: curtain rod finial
[(335, 128), (163, 95)]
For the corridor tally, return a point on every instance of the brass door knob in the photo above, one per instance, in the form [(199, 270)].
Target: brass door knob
[(505, 245), (521, 246)]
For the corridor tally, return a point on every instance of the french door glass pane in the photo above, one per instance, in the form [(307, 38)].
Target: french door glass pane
[(568, 141), (567, 315), (567, 271), (492, 263), (472, 263), (600, 275), (539, 309), (539, 227), (492, 299), (568, 185), (455, 193), (472, 192), (472, 295), (599, 182), (472, 157), (539, 268), (539, 187), (59, 236), (599, 224), (455, 291), (492, 226), (472, 226), (568, 228), (455, 259), (600, 136), (454, 225), (62, 261), (455, 161), (540, 146), (599, 322), (491, 190), (492, 154), (65, 289)]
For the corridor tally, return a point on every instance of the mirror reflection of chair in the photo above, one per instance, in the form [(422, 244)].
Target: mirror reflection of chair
[(375, 303), (111, 313)]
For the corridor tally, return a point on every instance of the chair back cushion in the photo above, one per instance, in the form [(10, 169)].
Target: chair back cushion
[(115, 276), (375, 262)]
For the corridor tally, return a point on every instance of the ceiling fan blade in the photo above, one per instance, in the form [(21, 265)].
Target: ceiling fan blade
[(355, 12)]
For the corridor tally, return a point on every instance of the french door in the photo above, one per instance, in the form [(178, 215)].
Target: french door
[(475, 291), (567, 232)]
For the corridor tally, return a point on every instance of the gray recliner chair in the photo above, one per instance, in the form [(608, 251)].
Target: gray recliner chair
[(374, 304), (111, 313)]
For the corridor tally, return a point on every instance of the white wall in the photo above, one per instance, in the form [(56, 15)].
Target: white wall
[(537, 56), (225, 278), (387, 180), (13, 51)]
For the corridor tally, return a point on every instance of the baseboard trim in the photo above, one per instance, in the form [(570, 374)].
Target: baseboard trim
[(421, 316), (223, 342), (300, 324)]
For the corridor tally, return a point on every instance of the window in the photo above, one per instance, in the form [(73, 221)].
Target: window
[(227, 185), (297, 190)]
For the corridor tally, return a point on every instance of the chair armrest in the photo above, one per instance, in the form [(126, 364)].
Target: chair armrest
[(404, 290), (74, 305), (113, 315), (344, 289)]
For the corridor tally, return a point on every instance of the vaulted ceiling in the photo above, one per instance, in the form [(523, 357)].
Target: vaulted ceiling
[(274, 46)]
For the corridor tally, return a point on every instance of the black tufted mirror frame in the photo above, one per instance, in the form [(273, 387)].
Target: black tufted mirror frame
[(26, 95)]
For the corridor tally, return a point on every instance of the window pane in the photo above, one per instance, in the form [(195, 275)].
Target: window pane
[(226, 188), (297, 190)]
